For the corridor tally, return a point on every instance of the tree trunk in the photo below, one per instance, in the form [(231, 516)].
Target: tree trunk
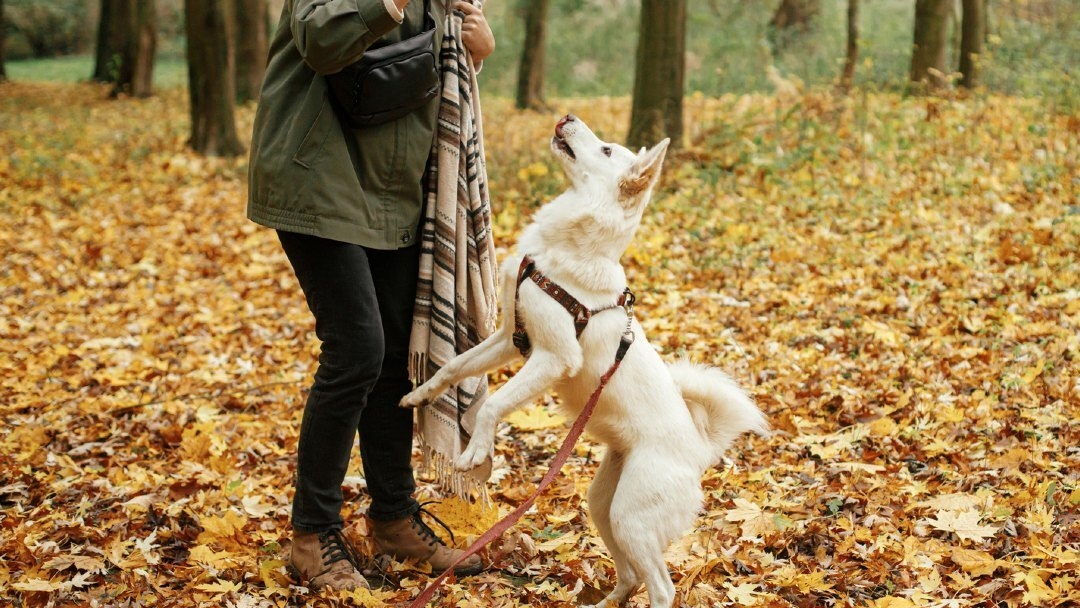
[(792, 14), (792, 18), (211, 77), (972, 35), (928, 66), (138, 20), (3, 28), (657, 107), (851, 58), (109, 41), (530, 85), (252, 47)]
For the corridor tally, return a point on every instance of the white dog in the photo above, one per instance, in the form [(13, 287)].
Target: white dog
[(664, 425)]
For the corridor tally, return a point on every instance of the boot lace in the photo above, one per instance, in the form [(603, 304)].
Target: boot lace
[(426, 531), (335, 547)]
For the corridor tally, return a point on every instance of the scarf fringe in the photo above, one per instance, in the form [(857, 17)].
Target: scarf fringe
[(463, 484), (417, 368)]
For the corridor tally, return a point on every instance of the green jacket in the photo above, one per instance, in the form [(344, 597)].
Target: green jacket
[(308, 172)]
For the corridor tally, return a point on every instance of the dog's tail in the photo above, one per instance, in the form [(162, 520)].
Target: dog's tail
[(720, 409)]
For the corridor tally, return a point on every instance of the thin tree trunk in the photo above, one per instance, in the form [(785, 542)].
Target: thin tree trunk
[(252, 47), (530, 85), (851, 59), (3, 28), (109, 44), (928, 65), (211, 77), (657, 107), (973, 33), (792, 18), (136, 69)]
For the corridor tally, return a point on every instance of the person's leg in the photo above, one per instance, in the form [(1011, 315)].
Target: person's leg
[(337, 284), (386, 430)]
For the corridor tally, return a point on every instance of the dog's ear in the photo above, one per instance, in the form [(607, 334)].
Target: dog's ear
[(645, 171)]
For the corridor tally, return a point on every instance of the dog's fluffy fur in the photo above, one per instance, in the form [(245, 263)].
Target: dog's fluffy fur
[(664, 425)]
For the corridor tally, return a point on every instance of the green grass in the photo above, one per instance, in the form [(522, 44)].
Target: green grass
[(168, 73)]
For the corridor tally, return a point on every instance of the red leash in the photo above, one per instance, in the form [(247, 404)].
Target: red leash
[(556, 465)]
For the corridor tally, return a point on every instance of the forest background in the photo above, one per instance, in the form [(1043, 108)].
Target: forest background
[(892, 276)]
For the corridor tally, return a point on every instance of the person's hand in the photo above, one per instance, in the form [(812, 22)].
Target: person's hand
[(475, 31)]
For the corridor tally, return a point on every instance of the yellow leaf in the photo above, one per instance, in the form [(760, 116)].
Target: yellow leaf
[(891, 601), (562, 543), (975, 563), (228, 524), (37, 584), (1034, 371), (214, 559), (80, 562), (745, 594), (813, 581), (267, 571), (221, 587), (535, 418), (883, 427), (754, 522), (466, 518), (1037, 592), (965, 524)]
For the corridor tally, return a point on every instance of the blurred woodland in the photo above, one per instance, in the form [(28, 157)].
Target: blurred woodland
[(886, 258)]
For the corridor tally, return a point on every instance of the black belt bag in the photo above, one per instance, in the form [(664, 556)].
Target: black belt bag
[(389, 81)]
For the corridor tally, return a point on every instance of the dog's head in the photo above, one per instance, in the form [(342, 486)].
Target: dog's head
[(603, 168)]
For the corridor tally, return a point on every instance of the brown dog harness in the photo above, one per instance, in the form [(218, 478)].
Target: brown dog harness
[(581, 314)]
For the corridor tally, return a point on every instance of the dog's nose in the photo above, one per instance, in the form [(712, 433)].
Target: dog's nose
[(562, 122)]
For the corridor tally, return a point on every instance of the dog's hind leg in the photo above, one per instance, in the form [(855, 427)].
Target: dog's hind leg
[(655, 500), (600, 494)]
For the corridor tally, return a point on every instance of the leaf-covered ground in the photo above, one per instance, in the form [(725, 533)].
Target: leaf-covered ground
[(897, 282)]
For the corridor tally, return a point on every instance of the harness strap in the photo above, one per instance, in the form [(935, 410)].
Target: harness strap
[(577, 310)]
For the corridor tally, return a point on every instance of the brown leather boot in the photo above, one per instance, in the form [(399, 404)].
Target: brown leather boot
[(410, 537), (325, 560)]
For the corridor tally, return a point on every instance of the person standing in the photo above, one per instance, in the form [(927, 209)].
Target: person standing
[(346, 203)]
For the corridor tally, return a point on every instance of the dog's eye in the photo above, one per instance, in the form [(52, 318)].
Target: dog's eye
[(606, 150)]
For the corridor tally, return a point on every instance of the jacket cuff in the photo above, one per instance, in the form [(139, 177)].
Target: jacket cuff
[(377, 17), (394, 11)]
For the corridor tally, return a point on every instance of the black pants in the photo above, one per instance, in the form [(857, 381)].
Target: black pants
[(362, 300)]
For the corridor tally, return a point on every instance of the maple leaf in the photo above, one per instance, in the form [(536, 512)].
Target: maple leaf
[(534, 418), (892, 601), (219, 587), (975, 563), (965, 524), (753, 521), (745, 594), (1036, 591)]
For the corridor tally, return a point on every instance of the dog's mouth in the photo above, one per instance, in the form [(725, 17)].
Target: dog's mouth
[(561, 144)]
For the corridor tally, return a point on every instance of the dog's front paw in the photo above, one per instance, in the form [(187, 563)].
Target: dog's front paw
[(417, 398), (474, 455)]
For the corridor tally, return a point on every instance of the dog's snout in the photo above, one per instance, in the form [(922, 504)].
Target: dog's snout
[(569, 118)]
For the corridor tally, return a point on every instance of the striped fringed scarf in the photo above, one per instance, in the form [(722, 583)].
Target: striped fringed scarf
[(456, 298)]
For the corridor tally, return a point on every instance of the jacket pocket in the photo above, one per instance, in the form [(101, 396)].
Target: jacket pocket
[(309, 153)]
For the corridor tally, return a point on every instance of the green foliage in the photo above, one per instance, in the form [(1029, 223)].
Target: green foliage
[(591, 47), (46, 29)]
